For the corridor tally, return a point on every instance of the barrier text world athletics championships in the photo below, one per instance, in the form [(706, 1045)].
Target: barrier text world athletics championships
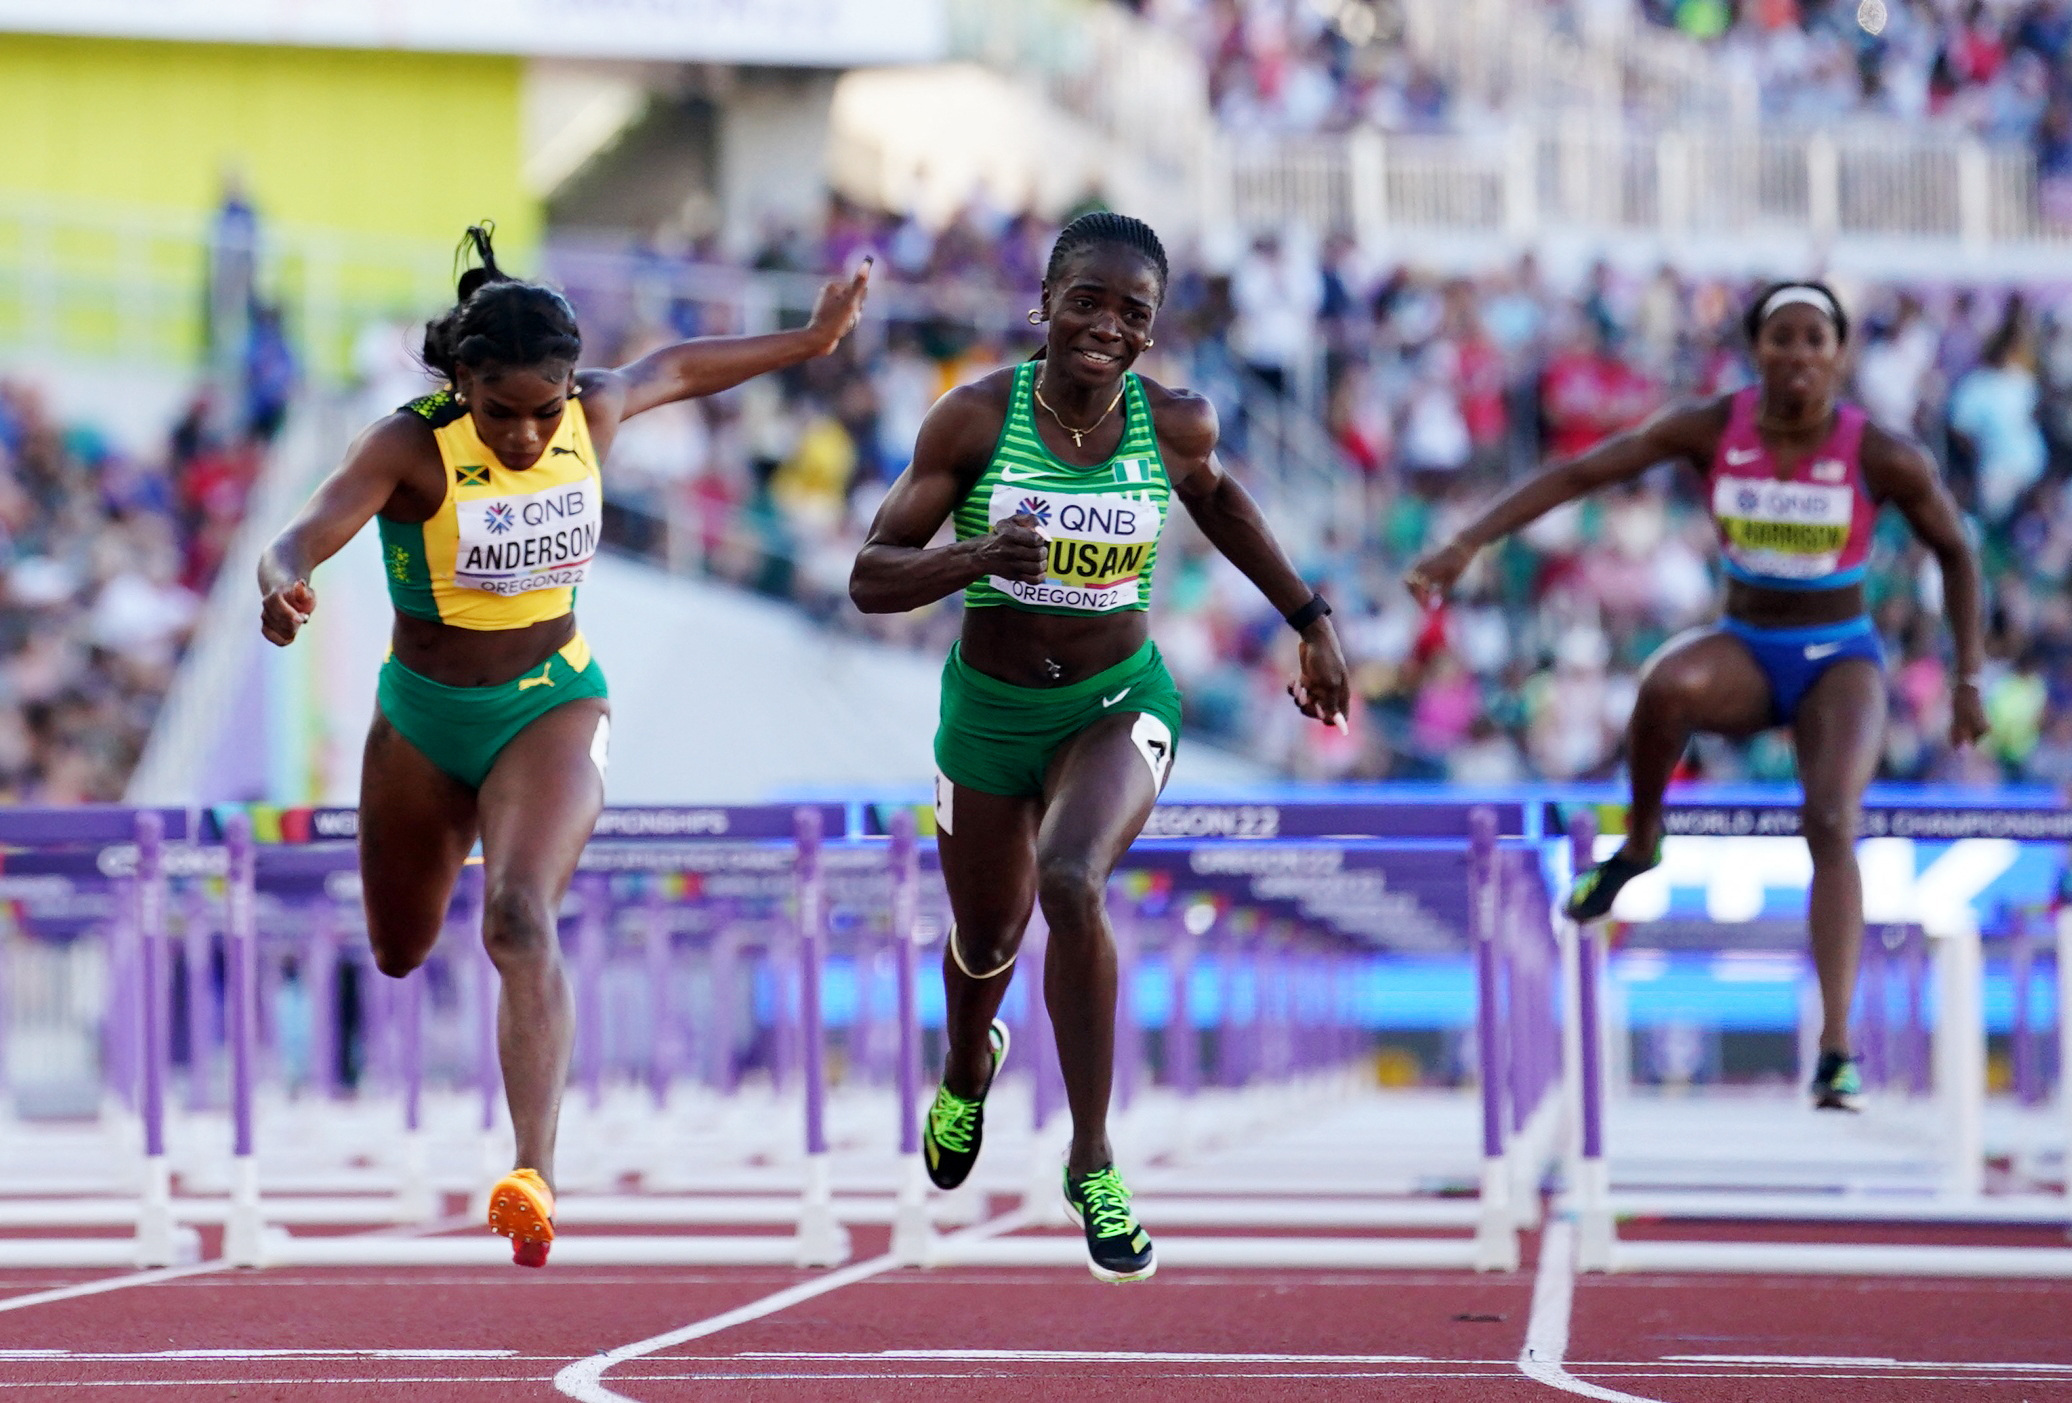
[(2021, 825)]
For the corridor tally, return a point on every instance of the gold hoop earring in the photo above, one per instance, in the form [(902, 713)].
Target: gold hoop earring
[(1035, 316)]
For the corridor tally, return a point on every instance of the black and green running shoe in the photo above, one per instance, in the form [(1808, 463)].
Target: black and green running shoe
[(1837, 1083), (1590, 899), (1118, 1248), (956, 1127)]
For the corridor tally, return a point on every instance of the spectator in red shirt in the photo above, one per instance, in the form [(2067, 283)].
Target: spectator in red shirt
[(1589, 393)]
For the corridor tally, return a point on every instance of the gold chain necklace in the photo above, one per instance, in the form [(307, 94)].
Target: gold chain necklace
[(1078, 435)]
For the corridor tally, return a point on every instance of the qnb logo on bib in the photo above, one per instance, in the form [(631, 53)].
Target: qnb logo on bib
[(1793, 530), (517, 544), (1098, 547)]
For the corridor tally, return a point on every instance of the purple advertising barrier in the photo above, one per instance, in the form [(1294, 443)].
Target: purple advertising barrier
[(320, 979), (149, 899), (1129, 1031), (489, 1070), (725, 1041), (1230, 1030), (241, 941), (2021, 961), (812, 915), (122, 1024), (1482, 936), (591, 927), (197, 956), (410, 1016), (1182, 1047), (1871, 990), (659, 949), (1915, 1037), (1047, 1085), (906, 896)]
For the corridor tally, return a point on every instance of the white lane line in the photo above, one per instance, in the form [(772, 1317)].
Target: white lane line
[(1546, 1330), (584, 1379), (66, 1356), (1081, 1356), (1847, 1361), (158, 1274), (110, 1283)]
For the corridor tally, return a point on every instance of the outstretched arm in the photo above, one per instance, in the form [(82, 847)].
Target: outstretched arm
[(897, 570), (690, 369), (1231, 521), (1902, 473), (374, 467), (1684, 432)]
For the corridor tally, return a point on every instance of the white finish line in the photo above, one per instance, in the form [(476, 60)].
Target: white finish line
[(1546, 1331), (584, 1379)]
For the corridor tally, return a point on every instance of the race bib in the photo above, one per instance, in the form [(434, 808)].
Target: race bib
[(1790, 530), (1099, 546), (536, 540)]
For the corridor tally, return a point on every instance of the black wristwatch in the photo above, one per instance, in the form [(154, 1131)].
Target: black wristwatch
[(1309, 613)]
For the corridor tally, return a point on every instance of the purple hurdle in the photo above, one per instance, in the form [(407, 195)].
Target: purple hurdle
[(155, 1233), (1496, 1235), (822, 1241), (1594, 1224), (243, 1232), (911, 1230)]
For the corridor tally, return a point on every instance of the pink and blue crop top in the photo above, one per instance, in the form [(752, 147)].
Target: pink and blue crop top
[(1808, 531)]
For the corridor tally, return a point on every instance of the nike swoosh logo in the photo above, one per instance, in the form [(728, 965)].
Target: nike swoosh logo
[(1817, 651), (1008, 474), (1736, 457), (1110, 701)]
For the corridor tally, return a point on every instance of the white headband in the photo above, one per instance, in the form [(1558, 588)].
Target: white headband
[(1798, 292)]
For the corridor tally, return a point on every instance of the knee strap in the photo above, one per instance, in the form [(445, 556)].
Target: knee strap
[(969, 972)]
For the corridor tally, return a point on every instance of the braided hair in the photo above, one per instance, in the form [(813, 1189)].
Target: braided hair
[(1106, 227), (499, 320)]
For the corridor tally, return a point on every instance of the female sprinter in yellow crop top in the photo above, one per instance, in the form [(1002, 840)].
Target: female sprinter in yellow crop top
[(492, 717)]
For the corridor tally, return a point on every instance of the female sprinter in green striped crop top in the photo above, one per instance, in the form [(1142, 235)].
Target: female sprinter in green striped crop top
[(1059, 720)]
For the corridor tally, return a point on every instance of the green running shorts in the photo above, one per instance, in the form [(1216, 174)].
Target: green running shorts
[(463, 729), (999, 738)]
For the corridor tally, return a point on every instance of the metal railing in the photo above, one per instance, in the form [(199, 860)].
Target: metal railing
[(122, 285), (1580, 174), (1509, 55)]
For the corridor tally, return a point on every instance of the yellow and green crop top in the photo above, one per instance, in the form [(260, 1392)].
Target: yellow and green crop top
[(506, 548)]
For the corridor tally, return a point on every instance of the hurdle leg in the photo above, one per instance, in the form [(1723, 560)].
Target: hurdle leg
[(155, 1229), (2064, 934), (244, 1233), (912, 1234), (1594, 1232), (415, 1200), (1496, 1234), (822, 1240), (1960, 1053)]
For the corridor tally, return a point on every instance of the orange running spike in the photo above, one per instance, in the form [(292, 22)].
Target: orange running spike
[(521, 1207)]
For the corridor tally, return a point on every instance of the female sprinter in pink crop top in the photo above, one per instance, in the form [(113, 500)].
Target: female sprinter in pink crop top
[(1794, 479)]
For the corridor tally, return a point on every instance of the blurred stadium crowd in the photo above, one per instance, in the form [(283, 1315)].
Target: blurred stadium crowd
[(2001, 69), (107, 558)]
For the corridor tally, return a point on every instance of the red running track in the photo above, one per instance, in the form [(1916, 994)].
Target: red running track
[(1041, 1336)]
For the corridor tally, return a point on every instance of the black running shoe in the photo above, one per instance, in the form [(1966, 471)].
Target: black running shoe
[(1590, 899), (1117, 1247), (955, 1127), (1837, 1083)]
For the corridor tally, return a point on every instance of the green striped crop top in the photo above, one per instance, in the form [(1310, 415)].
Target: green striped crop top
[(1103, 522)]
